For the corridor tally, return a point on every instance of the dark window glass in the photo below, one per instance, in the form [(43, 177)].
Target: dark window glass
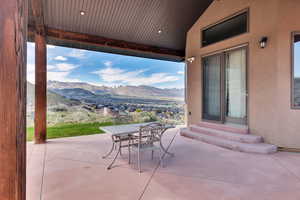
[(212, 88), (296, 70), (226, 29)]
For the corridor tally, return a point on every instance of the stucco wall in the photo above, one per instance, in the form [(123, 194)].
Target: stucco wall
[(269, 70)]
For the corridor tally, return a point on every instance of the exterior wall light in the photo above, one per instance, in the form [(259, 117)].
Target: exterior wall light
[(191, 59), (263, 42)]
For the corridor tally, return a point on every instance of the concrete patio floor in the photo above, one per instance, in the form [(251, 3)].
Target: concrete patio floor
[(72, 169)]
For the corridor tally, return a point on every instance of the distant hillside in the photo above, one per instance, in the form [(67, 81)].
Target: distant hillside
[(147, 91), (70, 85), (74, 93), (53, 99), (135, 91)]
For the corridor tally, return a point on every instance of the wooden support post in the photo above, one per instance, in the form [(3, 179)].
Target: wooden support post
[(13, 35), (40, 120)]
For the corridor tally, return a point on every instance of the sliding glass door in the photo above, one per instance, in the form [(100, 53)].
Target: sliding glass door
[(224, 87), (212, 88)]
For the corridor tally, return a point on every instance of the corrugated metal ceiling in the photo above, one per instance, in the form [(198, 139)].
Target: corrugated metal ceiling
[(129, 20)]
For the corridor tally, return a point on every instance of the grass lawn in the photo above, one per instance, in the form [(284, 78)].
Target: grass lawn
[(69, 130)]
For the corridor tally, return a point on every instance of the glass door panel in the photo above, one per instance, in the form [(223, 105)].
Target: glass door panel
[(212, 88), (235, 86)]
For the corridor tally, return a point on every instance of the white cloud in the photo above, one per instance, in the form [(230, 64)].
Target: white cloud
[(60, 58), (108, 63), (57, 72), (64, 67), (60, 72), (61, 76), (180, 72), (77, 53), (137, 77)]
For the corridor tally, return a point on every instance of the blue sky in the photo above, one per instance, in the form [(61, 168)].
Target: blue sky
[(74, 65)]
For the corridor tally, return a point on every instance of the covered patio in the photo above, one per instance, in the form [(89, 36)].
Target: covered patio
[(72, 168), (150, 29)]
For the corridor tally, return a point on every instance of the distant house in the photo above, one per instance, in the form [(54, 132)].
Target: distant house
[(110, 111), (99, 106)]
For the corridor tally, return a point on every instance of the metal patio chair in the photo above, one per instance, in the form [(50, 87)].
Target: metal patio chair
[(119, 142), (146, 140)]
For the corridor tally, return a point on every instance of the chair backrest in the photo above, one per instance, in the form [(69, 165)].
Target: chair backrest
[(150, 133)]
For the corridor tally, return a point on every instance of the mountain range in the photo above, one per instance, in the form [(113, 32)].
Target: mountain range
[(142, 91), (53, 98), (74, 93)]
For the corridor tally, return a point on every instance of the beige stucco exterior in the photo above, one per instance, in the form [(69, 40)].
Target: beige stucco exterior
[(269, 70)]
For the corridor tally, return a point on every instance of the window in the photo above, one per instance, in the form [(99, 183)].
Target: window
[(229, 28), (296, 70)]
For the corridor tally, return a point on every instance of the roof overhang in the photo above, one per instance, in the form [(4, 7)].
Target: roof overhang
[(145, 28)]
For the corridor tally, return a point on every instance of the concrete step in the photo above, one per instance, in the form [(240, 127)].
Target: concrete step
[(225, 127), (261, 148), (238, 137)]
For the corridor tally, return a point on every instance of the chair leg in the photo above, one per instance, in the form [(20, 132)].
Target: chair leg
[(139, 161), (120, 148), (161, 155), (129, 156), (152, 154), (111, 150), (111, 164)]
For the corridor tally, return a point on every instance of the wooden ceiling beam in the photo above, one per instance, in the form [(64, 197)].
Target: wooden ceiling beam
[(92, 40), (38, 15)]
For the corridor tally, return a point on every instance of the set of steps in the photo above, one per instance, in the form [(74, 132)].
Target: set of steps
[(232, 137)]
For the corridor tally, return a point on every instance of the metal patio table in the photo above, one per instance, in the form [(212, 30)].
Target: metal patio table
[(122, 133)]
